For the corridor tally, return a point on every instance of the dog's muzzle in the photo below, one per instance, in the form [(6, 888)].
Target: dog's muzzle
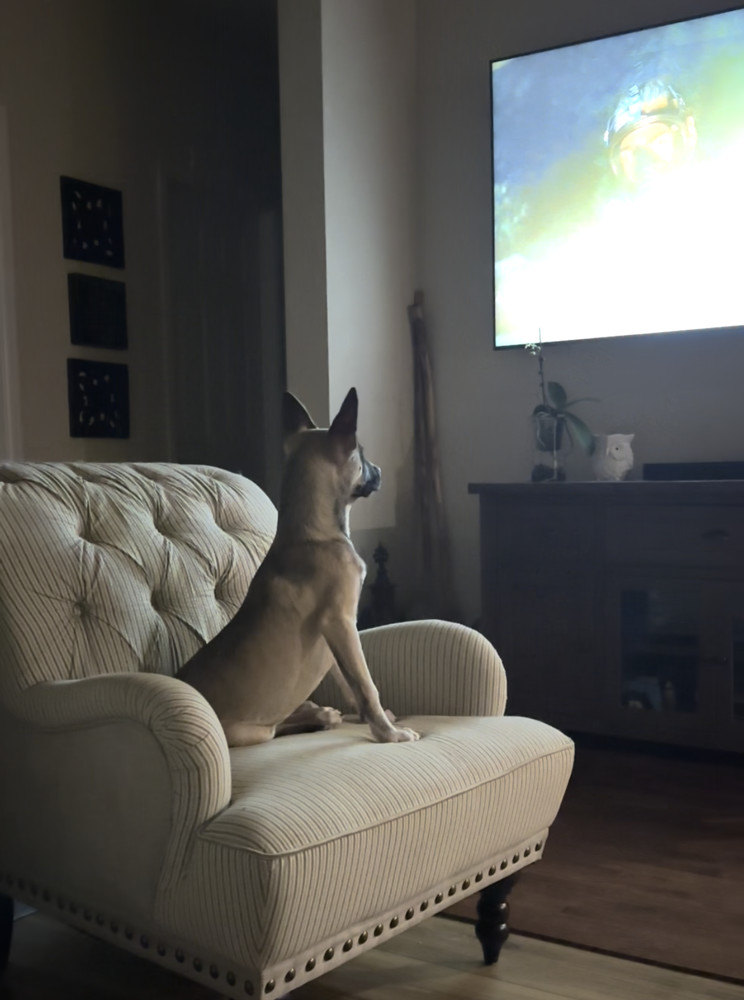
[(371, 481)]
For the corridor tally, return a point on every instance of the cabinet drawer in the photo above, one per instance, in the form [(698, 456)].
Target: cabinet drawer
[(706, 536), (531, 535)]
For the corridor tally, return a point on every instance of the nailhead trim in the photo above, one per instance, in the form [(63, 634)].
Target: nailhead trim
[(310, 965), (394, 922)]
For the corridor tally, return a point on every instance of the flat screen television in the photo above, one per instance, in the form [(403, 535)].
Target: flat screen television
[(618, 184)]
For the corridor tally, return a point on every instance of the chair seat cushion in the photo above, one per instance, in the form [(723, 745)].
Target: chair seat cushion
[(324, 829)]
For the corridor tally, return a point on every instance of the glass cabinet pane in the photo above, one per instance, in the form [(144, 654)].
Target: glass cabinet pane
[(737, 651), (660, 633)]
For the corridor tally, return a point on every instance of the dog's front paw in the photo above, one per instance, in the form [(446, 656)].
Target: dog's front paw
[(396, 735)]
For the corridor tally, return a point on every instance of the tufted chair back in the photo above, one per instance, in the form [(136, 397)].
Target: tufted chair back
[(128, 567)]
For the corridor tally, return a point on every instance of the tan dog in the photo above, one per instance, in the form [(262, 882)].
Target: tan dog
[(299, 615)]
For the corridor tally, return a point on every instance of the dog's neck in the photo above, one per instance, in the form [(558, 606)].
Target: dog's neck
[(312, 524), (312, 514), (311, 507)]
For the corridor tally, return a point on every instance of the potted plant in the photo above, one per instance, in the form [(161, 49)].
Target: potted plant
[(554, 421)]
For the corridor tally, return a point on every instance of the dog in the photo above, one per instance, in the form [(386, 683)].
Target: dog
[(298, 620)]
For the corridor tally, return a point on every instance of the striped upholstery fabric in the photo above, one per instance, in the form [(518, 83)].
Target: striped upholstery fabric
[(431, 668), (124, 810), (129, 567), (328, 830)]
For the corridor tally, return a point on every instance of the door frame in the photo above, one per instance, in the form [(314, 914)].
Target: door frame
[(10, 417)]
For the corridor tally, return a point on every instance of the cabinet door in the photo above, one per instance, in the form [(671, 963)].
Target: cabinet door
[(727, 663), (662, 644), (545, 628)]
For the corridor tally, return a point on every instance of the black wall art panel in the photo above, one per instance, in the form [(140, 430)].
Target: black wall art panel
[(98, 394), (98, 311), (92, 225)]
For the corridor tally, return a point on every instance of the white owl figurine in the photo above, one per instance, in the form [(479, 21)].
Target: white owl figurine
[(613, 457)]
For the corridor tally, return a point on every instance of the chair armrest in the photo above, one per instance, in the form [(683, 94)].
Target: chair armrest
[(132, 766), (435, 668), (180, 718)]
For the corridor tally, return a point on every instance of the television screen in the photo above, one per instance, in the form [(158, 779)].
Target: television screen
[(618, 184)]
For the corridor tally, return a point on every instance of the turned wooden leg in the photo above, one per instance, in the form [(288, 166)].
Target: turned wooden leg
[(492, 926), (6, 929)]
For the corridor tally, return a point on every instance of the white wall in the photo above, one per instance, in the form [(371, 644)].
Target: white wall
[(348, 148), (368, 89), (681, 397)]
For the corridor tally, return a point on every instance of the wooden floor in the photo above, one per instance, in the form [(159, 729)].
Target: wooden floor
[(645, 860), (439, 959)]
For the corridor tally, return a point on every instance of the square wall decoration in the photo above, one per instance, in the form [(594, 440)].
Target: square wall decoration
[(98, 394), (98, 311), (92, 226)]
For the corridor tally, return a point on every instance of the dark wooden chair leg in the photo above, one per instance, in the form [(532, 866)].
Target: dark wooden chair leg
[(6, 929), (492, 925)]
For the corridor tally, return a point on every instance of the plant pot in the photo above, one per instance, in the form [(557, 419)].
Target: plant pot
[(549, 432), (550, 435)]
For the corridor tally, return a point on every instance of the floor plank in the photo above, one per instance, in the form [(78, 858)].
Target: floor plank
[(645, 859), (437, 959)]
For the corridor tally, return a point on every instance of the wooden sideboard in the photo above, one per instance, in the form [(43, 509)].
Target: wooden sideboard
[(618, 608)]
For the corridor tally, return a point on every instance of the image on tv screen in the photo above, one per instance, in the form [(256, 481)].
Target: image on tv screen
[(618, 184)]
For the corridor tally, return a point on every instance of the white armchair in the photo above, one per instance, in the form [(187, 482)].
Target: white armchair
[(254, 869)]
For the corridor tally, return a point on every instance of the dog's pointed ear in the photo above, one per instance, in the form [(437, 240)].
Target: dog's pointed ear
[(294, 416), (345, 422)]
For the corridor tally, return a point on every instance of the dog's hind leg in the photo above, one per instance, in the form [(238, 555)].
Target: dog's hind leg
[(246, 734), (308, 718)]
